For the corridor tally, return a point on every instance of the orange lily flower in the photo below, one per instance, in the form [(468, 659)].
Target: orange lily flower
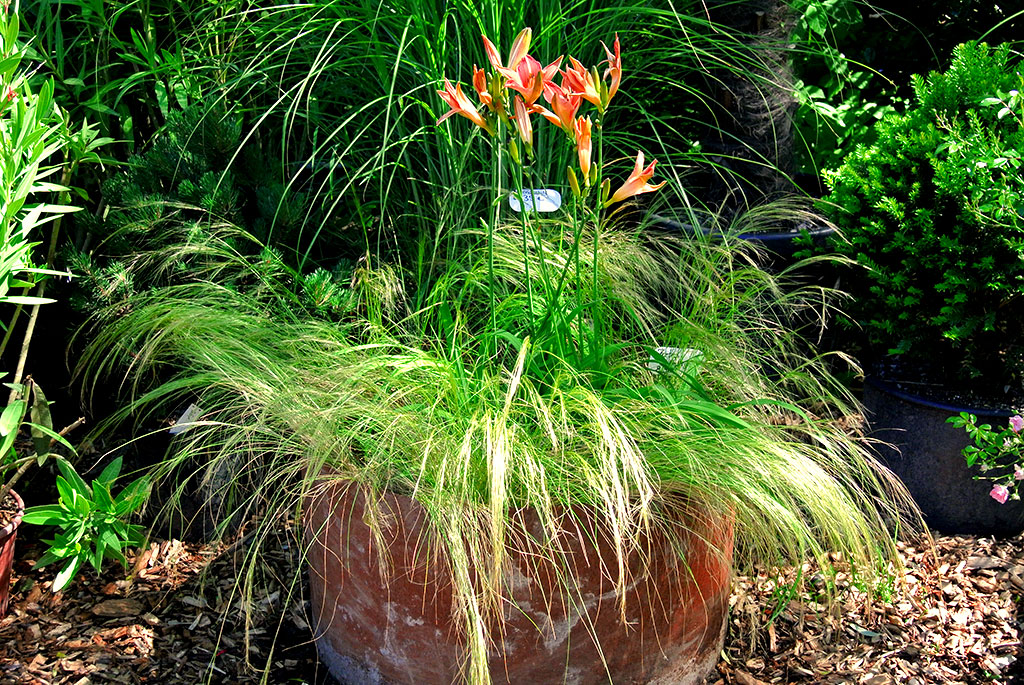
[(583, 129), (637, 182), (480, 83), (520, 46), (523, 124), (460, 104), (529, 78), (614, 68), (564, 105), (582, 83)]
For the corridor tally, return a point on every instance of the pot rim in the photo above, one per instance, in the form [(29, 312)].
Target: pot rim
[(891, 389), (767, 236), (13, 524)]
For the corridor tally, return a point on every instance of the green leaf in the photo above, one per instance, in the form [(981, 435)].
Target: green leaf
[(26, 300), (48, 558), (12, 416), (101, 495), (73, 478), (67, 574), (56, 436), (41, 420), (109, 474), (82, 506), (44, 515), (65, 491)]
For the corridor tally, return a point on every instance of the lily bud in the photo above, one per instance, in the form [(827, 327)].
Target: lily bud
[(498, 93), (513, 150), (601, 90), (573, 183), (593, 175), (606, 190)]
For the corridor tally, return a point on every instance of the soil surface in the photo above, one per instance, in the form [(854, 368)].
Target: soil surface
[(949, 616), (8, 510)]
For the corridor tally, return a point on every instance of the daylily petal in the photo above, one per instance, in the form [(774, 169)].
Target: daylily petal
[(526, 79), (581, 83), (480, 84), (637, 182), (460, 104), (614, 67), (523, 124), (492, 53), (520, 46), (547, 114), (551, 70), (583, 129)]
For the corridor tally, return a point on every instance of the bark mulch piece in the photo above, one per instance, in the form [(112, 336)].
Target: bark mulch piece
[(951, 617)]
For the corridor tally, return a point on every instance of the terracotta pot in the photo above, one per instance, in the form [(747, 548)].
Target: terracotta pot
[(397, 626), (925, 451), (7, 535)]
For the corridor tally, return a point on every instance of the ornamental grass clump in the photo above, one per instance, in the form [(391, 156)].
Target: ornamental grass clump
[(555, 362)]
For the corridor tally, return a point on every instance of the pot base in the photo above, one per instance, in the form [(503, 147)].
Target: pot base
[(375, 628)]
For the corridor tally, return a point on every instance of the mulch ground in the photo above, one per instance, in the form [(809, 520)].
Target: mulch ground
[(950, 618)]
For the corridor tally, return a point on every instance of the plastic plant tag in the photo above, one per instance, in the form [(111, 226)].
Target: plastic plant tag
[(686, 360), (187, 420), (546, 199)]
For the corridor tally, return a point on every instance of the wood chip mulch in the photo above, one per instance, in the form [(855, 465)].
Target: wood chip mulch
[(950, 618)]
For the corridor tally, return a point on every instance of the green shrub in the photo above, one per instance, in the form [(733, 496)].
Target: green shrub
[(934, 209)]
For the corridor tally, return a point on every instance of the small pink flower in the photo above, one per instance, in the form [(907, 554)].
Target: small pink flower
[(1000, 493), (10, 94), (1018, 472), (1017, 423)]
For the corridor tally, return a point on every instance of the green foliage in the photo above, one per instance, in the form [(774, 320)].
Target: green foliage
[(179, 192), (30, 128), (838, 98), (93, 522), (29, 409), (998, 452), (935, 210)]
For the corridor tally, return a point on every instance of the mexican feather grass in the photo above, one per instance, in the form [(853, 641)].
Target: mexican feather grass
[(474, 431)]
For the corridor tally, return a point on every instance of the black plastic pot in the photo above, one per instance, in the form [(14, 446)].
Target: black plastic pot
[(925, 452), (780, 246)]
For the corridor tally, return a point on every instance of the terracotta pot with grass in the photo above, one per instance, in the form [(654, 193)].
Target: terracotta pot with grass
[(8, 533), (556, 622)]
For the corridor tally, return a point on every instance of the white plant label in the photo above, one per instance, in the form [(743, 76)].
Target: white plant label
[(186, 420), (546, 199)]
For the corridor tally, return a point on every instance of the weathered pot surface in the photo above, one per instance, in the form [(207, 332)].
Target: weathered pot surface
[(925, 451), (8, 534), (398, 626)]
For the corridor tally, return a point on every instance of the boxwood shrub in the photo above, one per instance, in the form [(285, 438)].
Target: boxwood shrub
[(933, 210)]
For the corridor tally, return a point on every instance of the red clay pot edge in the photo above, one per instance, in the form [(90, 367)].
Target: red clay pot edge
[(710, 563), (8, 536)]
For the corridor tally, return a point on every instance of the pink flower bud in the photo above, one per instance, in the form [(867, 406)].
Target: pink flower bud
[(1000, 493)]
